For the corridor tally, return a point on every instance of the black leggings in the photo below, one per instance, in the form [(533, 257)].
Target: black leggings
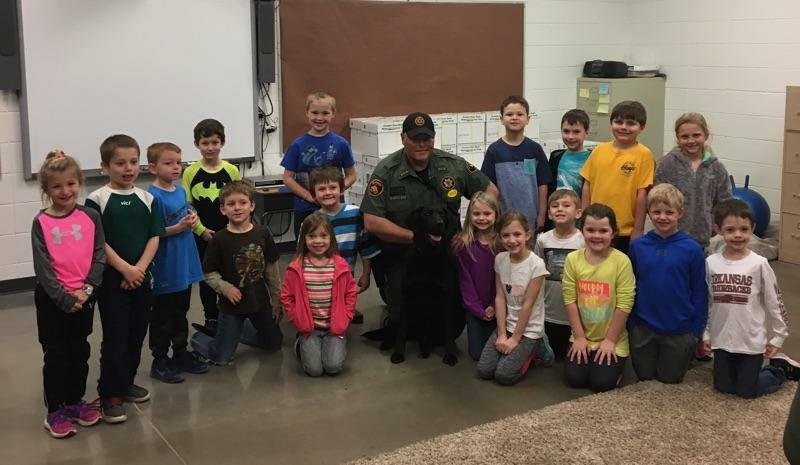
[(66, 350), (598, 378)]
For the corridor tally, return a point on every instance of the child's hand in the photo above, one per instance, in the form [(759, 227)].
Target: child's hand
[(704, 348), (193, 218), (488, 313), (82, 298), (579, 351), (277, 313), (509, 345), (133, 274), (605, 352), (185, 223), (500, 342), (234, 295), (363, 283), (207, 235), (771, 351)]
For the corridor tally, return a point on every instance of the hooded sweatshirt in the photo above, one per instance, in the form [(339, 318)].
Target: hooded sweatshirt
[(294, 296), (671, 290), (701, 189)]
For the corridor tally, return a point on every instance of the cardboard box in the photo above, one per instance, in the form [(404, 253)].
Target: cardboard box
[(471, 128), (376, 135), (446, 129), (534, 127), (494, 128)]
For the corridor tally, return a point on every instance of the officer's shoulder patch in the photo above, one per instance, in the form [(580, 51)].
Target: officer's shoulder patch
[(375, 187)]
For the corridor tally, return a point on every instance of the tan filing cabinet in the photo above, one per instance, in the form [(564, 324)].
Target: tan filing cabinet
[(790, 187)]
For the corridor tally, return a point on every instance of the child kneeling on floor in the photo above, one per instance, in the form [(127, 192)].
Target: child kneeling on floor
[(519, 305), (241, 264), (319, 295), (745, 325), (598, 287)]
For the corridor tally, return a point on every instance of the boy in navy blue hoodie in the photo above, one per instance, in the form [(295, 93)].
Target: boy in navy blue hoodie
[(671, 306)]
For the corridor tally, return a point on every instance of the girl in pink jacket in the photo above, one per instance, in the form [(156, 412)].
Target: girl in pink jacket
[(319, 295)]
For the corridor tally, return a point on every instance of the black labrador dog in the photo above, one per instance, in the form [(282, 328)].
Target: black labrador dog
[(432, 313)]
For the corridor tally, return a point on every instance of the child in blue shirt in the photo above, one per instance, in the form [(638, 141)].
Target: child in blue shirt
[(316, 148), (671, 304), (176, 267), (518, 166)]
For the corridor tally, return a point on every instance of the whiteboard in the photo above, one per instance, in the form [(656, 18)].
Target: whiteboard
[(151, 69)]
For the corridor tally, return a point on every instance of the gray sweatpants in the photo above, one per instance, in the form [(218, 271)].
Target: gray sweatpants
[(322, 352), (505, 369), (660, 356)]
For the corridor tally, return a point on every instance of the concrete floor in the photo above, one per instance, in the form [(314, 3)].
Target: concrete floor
[(264, 409)]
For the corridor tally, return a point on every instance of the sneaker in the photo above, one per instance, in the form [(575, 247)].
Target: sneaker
[(358, 318), (59, 424), (189, 362), (137, 394), (83, 414), (163, 370), (790, 367), (113, 410), (544, 356)]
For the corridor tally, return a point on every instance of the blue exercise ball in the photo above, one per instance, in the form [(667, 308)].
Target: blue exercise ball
[(757, 203)]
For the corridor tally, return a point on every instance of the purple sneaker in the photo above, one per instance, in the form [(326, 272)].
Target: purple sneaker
[(83, 414), (59, 424)]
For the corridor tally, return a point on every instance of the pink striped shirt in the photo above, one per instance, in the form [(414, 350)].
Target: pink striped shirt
[(319, 283)]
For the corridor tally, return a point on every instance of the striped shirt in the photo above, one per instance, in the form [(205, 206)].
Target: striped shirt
[(319, 283), (351, 239)]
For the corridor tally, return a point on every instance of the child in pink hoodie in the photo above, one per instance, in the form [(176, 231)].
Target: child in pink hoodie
[(319, 295)]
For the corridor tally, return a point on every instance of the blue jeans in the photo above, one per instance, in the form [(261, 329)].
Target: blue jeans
[(478, 332), (744, 376), (231, 329)]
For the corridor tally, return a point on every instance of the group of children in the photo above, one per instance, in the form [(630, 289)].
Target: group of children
[(137, 253), (605, 292)]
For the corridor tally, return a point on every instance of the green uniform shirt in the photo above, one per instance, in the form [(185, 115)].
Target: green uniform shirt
[(395, 189), (129, 219)]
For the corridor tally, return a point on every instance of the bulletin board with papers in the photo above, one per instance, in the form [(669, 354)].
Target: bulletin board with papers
[(393, 58)]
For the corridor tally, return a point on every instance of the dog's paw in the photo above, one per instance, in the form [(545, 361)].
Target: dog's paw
[(385, 345), (398, 358), (449, 359)]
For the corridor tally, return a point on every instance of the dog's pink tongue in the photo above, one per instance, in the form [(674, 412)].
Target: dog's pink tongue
[(434, 237)]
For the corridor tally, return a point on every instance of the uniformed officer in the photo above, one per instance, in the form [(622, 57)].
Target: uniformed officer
[(414, 176)]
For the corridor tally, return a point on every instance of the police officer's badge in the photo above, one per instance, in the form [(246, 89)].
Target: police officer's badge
[(448, 182), (375, 187)]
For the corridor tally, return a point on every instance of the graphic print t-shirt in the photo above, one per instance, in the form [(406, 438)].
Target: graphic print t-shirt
[(518, 171), (308, 152), (569, 171), (744, 312), (241, 259), (598, 290), (515, 278), (554, 251)]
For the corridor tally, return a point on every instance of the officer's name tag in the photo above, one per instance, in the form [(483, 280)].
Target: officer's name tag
[(397, 193)]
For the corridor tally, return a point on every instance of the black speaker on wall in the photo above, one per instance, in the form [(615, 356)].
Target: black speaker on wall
[(265, 40), (10, 64)]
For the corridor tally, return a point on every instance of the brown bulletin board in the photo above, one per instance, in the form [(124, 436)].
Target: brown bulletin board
[(393, 58)]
